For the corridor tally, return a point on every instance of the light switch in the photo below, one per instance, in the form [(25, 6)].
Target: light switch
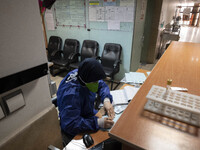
[(2, 115), (53, 88), (14, 101)]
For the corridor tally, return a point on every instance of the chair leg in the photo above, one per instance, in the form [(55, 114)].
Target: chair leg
[(116, 85), (111, 84), (112, 81)]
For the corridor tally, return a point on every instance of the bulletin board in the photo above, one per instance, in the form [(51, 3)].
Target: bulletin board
[(112, 15), (70, 13)]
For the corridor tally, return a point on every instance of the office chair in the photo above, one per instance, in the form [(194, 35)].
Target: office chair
[(55, 44), (71, 47), (110, 61), (89, 49)]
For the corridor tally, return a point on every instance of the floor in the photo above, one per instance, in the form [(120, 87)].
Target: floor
[(190, 34)]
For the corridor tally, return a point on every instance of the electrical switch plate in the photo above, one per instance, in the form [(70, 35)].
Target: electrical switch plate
[(2, 115), (14, 101)]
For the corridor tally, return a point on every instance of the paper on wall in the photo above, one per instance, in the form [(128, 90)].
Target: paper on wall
[(49, 20), (92, 14)]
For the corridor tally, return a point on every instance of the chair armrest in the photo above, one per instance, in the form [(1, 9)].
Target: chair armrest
[(51, 147), (117, 62), (73, 57), (56, 52), (96, 57)]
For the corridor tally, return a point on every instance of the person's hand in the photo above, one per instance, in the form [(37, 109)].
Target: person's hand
[(109, 108), (105, 123), (108, 123)]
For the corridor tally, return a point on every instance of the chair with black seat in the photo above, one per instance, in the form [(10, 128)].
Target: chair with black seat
[(71, 47), (89, 49), (110, 61), (54, 45)]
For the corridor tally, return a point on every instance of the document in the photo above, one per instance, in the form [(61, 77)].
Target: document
[(124, 95), (121, 98), (49, 20)]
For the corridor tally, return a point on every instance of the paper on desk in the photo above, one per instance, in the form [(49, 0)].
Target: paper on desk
[(123, 95), (135, 77), (75, 145), (148, 73), (130, 91)]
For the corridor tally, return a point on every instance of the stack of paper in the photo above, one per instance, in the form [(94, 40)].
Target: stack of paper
[(134, 78)]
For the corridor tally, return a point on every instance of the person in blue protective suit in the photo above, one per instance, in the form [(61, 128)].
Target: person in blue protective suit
[(76, 96)]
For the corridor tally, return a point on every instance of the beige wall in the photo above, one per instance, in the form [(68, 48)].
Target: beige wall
[(138, 34), (22, 47)]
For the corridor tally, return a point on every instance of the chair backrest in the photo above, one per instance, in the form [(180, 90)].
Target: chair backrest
[(70, 46), (89, 49), (55, 43), (110, 54)]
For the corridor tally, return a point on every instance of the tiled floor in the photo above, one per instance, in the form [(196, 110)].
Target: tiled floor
[(190, 34)]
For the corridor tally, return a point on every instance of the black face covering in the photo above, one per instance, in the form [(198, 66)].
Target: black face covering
[(90, 70)]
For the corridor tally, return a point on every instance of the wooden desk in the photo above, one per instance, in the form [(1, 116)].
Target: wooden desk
[(139, 128)]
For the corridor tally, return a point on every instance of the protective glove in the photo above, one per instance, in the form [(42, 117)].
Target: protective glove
[(109, 108), (105, 123)]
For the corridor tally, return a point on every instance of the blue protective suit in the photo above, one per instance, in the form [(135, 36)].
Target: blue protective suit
[(76, 104)]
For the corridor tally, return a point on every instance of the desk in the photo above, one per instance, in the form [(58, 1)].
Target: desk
[(137, 128)]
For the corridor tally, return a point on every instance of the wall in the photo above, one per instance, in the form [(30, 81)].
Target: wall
[(21, 37), (151, 31), (168, 11), (99, 33), (22, 47), (138, 38)]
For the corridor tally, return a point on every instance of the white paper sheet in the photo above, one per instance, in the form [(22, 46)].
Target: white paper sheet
[(92, 14), (109, 13), (129, 13), (118, 97), (100, 13), (148, 73), (119, 13), (75, 145), (49, 20), (135, 77), (130, 92), (123, 95)]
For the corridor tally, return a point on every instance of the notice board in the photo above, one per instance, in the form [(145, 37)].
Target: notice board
[(70, 13)]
